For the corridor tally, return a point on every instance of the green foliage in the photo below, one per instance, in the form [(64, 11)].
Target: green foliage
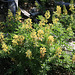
[(37, 48)]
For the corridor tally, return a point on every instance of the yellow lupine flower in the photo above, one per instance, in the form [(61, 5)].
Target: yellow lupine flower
[(28, 54), (36, 3), (36, 44), (18, 39), (72, 18), (34, 38), (55, 20), (28, 21), (65, 13), (21, 38), (58, 51), (1, 37), (41, 23), (33, 35), (18, 12), (42, 51), (58, 12), (40, 34), (10, 14), (46, 21), (71, 7), (4, 47), (50, 39), (15, 36), (18, 15), (64, 10), (47, 14), (69, 30), (50, 24), (47, 28), (14, 42), (28, 24), (73, 58)]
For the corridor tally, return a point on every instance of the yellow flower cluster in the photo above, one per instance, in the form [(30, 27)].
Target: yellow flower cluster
[(36, 3), (18, 15), (34, 38), (43, 21), (14, 41), (47, 14), (73, 58), (64, 10), (18, 39), (10, 15), (15, 36), (58, 12), (42, 52), (28, 54), (33, 35), (47, 30), (50, 24), (1, 37), (40, 34), (4, 47), (58, 51), (50, 39), (21, 39), (28, 21), (55, 20), (28, 24), (71, 7), (69, 30), (72, 18)]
